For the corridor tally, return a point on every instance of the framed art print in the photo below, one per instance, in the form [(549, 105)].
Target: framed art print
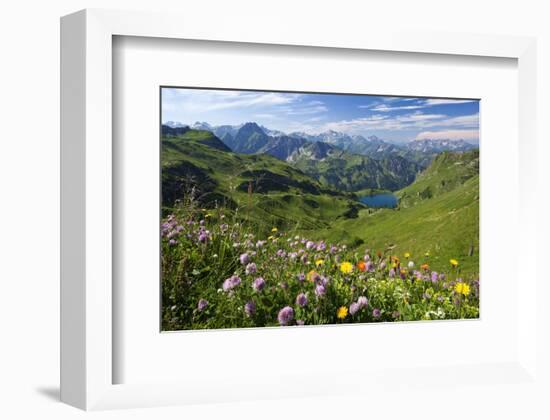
[(291, 208), (241, 212)]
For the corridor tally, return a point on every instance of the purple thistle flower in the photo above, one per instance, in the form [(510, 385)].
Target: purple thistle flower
[(435, 277), (281, 253), (382, 265), (244, 258), (203, 236), (172, 242), (369, 266), (310, 244), (376, 313), (362, 301), (286, 315), (321, 246), (320, 290), (258, 284), (366, 257), (391, 273), (333, 249), (251, 268), (301, 300), (301, 277), (441, 276), (231, 283), (354, 308), (250, 308), (203, 303)]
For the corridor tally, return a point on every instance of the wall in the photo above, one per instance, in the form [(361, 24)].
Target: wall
[(29, 162)]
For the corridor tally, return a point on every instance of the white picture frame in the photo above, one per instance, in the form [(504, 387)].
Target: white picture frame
[(86, 190)]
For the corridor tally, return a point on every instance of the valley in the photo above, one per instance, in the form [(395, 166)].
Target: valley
[(313, 187)]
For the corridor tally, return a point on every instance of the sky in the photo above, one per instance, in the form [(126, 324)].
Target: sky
[(392, 118)]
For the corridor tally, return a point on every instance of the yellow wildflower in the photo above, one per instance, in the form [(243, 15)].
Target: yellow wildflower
[(270, 237), (453, 262), (274, 229), (407, 254), (342, 312), (462, 288), (319, 262), (346, 267), (427, 254)]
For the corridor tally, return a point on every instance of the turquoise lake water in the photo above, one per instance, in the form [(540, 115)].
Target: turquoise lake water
[(385, 200)]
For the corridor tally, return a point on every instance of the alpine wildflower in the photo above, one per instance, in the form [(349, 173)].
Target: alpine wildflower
[(301, 300), (203, 303), (462, 288), (346, 267), (286, 315), (342, 312)]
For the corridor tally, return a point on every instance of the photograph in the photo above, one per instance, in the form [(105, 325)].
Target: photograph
[(281, 208)]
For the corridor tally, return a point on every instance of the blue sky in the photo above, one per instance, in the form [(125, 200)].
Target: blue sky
[(394, 119)]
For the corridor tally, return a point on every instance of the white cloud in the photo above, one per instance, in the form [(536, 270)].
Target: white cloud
[(210, 100), (468, 135), (412, 121), (266, 116), (386, 108), (432, 102), (421, 103)]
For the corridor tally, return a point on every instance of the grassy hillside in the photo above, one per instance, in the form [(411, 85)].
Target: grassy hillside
[(264, 189), (443, 223), (448, 171)]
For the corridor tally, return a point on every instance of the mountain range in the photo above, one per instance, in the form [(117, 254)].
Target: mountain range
[(335, 159), (419, 151)]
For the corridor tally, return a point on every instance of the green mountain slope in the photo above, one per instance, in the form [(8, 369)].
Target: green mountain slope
[(447, 171), (263, 188), (444, 224)]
